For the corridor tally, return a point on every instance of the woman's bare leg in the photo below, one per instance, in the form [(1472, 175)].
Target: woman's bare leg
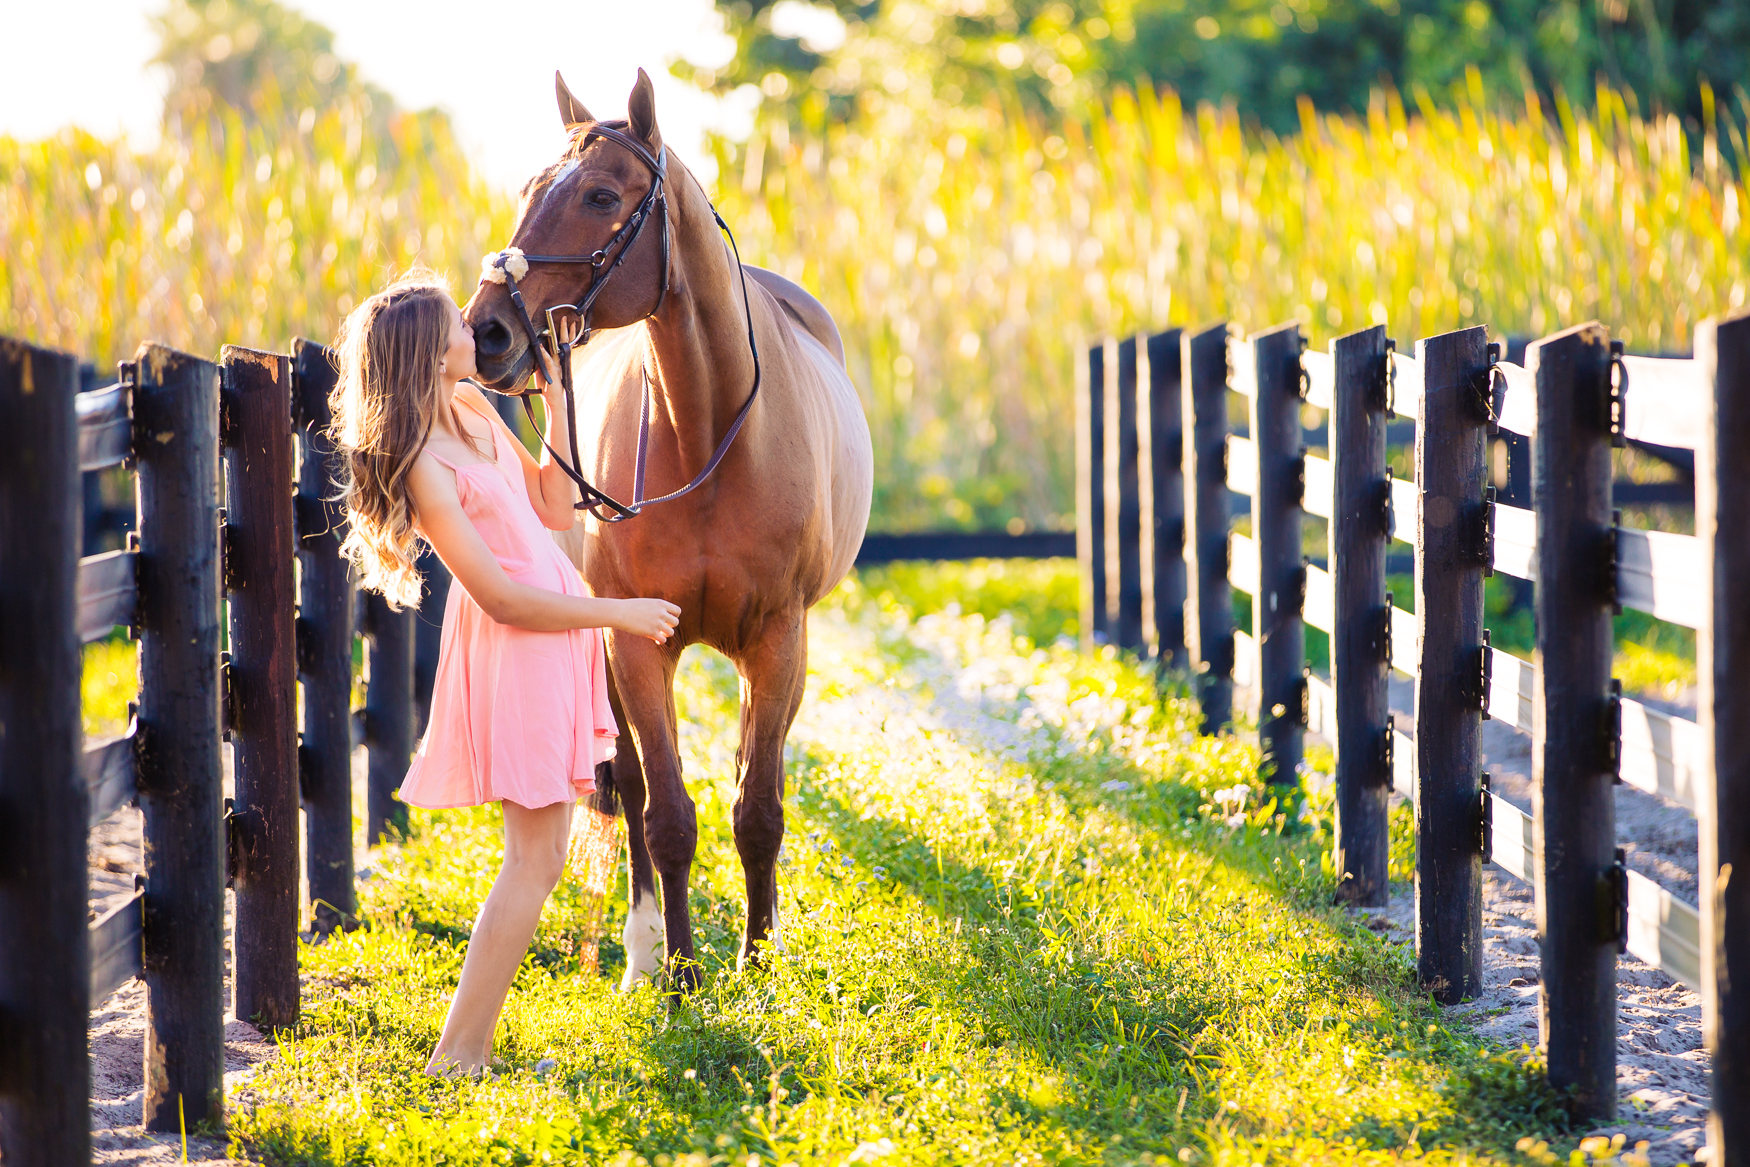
[(534, 859)]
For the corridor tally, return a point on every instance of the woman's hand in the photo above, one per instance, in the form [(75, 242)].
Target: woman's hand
[(653, 618), (546, 369)]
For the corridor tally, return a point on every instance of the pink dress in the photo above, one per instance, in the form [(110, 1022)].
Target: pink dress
[(515, 714)]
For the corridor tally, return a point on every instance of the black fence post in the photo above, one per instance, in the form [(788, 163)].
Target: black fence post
[(1722, 515), (44, 945), (1091, 494), (389, 718), (1276, 524), (1160, 450), (259, 546), (176, 428), (1452, 555), (324, 643), (1123, 501), (509, 410), (1209, 610), (1571, 772), (428, 634), (1360, 646)]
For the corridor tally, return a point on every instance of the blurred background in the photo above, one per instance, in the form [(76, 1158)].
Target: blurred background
[(974, 188)]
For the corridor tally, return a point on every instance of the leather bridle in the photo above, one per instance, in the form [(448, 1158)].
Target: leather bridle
[(558, 340)]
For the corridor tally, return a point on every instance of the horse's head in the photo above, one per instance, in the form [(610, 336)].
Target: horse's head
[(576, 207)]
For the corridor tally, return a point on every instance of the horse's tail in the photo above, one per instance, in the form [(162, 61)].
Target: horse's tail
[(606, 799)]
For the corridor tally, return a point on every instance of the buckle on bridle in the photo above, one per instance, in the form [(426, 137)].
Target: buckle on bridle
[(564, 320)]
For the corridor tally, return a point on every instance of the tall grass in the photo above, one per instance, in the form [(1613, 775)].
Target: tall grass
[(233, 233), (965, 251)]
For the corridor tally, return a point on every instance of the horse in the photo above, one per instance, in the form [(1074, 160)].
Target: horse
[(704, 344)]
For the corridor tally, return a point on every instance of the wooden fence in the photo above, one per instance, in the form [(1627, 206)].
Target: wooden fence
[(1156, 466), (225, 501)]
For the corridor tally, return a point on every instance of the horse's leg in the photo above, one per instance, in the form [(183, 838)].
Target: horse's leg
[(667, 827), (643, 934), (773, 669)]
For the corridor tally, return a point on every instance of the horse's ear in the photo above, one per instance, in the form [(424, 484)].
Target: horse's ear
[(571, 110), (641, 112)]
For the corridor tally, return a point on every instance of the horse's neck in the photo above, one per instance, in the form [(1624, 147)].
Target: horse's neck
[(701, 365)]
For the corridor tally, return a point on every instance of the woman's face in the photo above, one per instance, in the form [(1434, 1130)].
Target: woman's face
[(459, 357)]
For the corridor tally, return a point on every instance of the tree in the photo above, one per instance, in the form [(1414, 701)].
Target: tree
[(263, 60), (1261, 55)]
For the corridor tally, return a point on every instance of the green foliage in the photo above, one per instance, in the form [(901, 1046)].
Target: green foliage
[(273, 205), (1513, 1086), (111, 680), (1040, 597), (1262, 56), (1646, 668), (1018, 924), (970, 252), (255, 57)]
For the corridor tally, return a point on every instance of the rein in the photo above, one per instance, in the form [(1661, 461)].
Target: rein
[(565, 333)]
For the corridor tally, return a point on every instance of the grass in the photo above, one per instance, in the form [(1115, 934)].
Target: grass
[(969, 252), (235, 232), (1039, 596), (111, 680), (1018, 927)]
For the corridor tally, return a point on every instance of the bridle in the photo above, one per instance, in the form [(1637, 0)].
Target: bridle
[(564, 334)]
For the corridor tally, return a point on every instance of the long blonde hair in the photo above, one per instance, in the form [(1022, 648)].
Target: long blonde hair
[(384, 405)]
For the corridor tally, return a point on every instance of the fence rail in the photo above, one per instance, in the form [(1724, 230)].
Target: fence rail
[(1566, 406), (201, 561)]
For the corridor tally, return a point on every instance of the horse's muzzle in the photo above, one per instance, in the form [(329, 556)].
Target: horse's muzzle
[(501, 355)]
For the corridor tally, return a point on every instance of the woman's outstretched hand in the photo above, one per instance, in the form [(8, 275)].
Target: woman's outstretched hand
[(653, 618)]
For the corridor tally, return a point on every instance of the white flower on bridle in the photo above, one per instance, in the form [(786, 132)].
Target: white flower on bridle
[(495, 264)]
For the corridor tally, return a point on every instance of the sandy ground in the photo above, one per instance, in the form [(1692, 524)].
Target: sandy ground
[(1662, 1068), (118, 1025)]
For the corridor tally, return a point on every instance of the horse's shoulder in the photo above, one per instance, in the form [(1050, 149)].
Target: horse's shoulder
[(800, 305)]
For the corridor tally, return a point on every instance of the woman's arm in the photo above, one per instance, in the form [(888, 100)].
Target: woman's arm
[(452, 535)]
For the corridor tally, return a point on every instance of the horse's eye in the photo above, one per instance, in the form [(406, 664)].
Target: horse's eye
[(602, 198)]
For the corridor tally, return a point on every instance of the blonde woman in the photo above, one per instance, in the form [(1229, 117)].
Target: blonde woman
[(519, 711)]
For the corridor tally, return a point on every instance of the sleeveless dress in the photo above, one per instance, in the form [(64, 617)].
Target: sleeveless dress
[(515, 714)]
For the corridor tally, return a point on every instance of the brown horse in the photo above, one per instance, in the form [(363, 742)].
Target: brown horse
[(771, 531)]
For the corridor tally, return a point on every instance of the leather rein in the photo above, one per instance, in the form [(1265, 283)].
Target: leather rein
[(559, 341)]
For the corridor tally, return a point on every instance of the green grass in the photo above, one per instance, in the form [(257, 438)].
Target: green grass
[(111, 680), (1041, 597), (1017, 928)]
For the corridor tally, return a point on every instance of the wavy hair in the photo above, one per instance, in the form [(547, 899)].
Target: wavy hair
[(384, 405)]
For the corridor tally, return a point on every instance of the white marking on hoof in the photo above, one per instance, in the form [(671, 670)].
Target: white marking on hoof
[(644, 937), (775, 940)]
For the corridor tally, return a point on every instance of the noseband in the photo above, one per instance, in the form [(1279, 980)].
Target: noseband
[(558, 340)]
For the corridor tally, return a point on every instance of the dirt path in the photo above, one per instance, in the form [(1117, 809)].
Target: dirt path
[(1662, 1069)]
